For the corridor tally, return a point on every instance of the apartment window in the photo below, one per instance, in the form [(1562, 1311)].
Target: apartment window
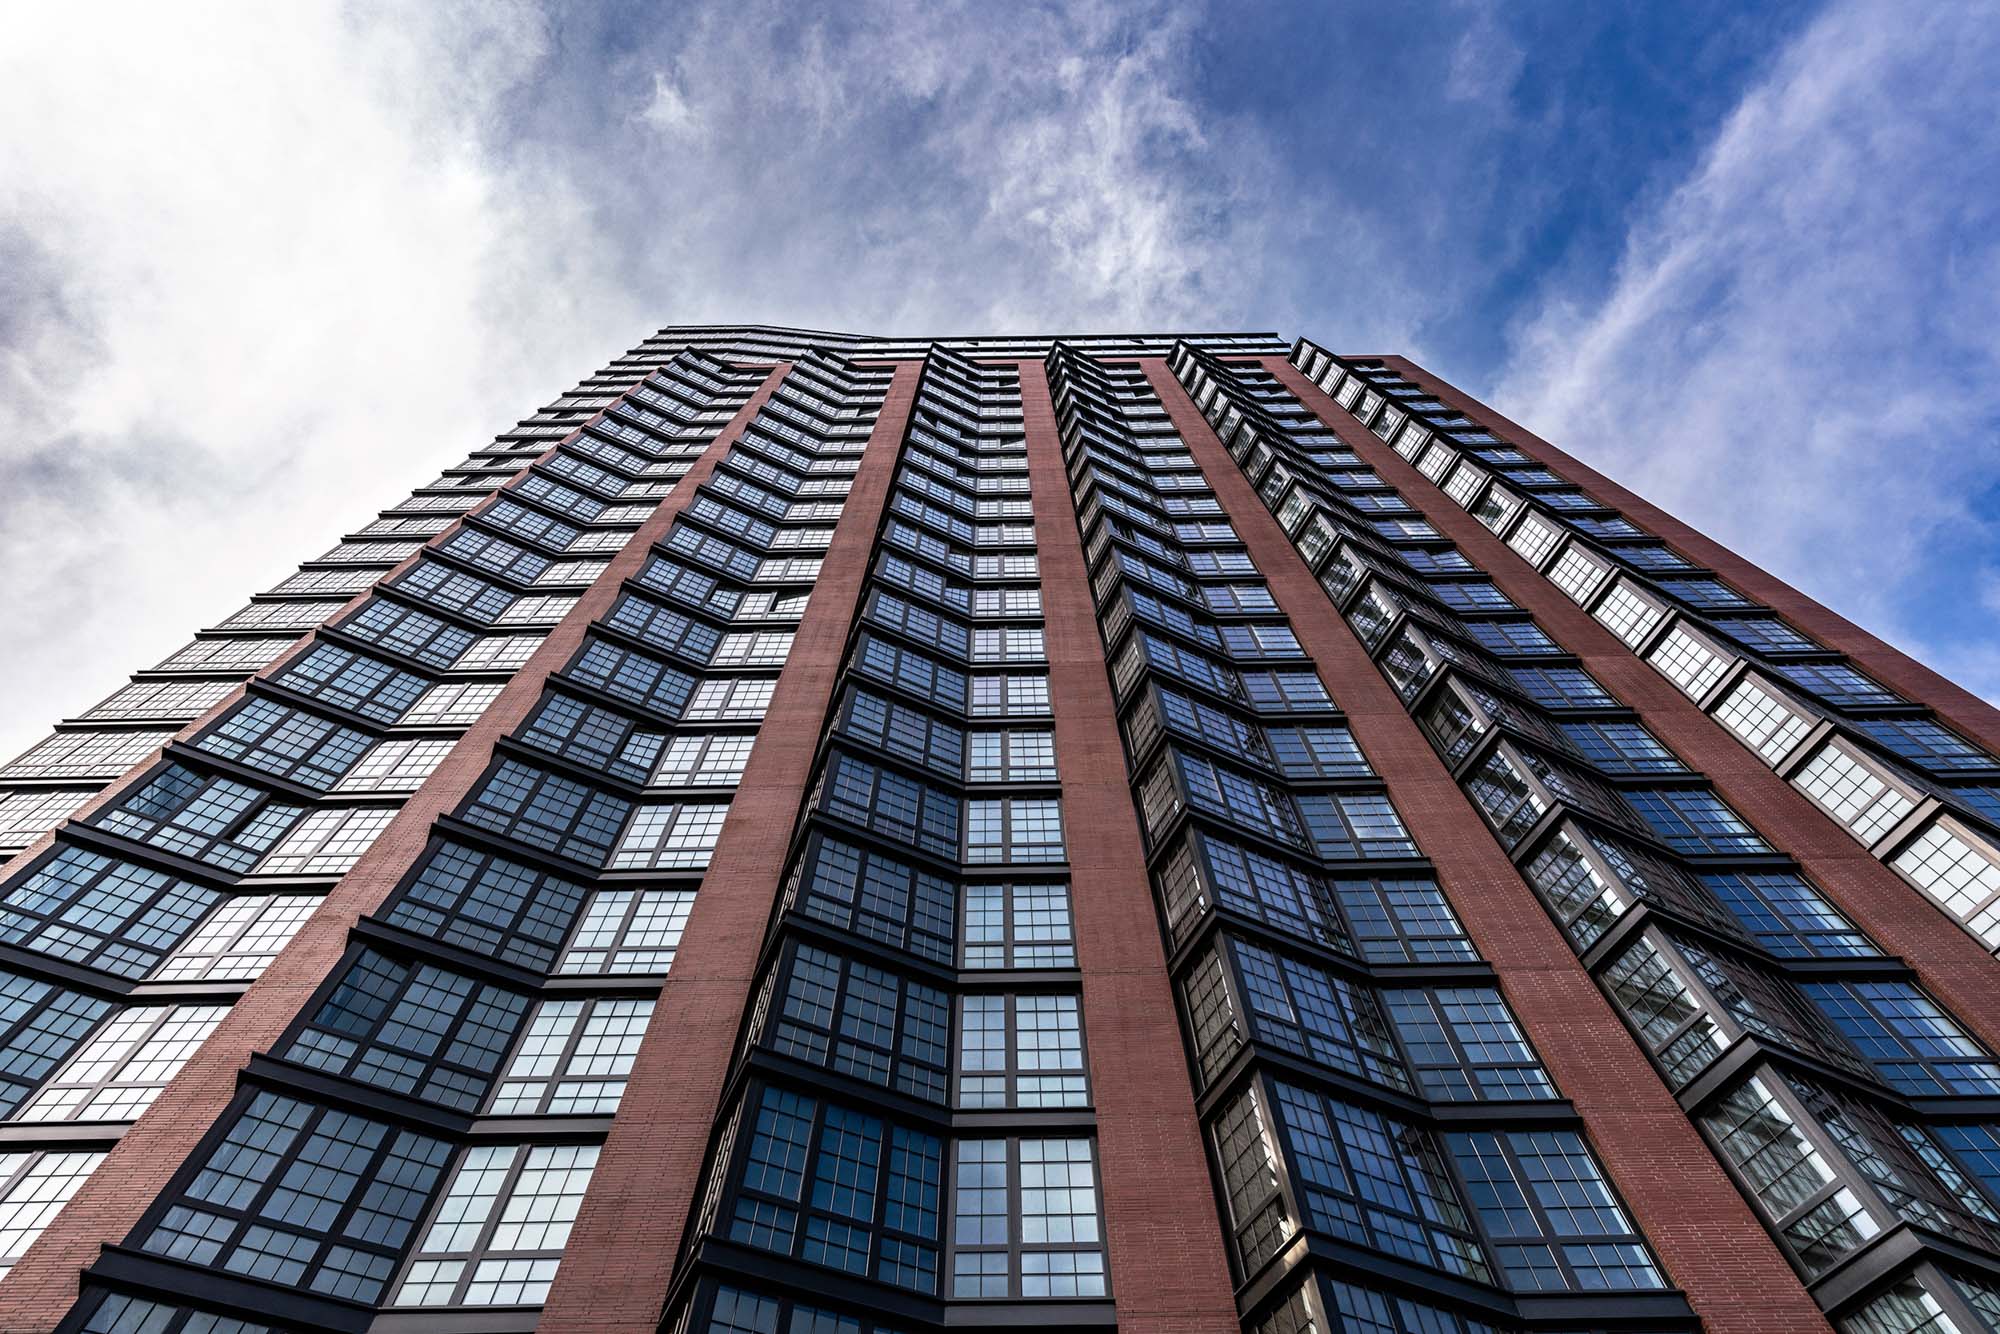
[(1762, 720), (628, 931), (1705, 593), (891, 804), (1766, 634), (1021, 1050), (25, 815), (1909, 1039), (240, 939), (1852, 793), (703, 759), (1011, 757), (280, 615), (593, 737), (92, 909), (1347, 826), (872, 1205), (876, 896), (1689, 663), (498, 1233), (488, 904), (1464, 1045), (736, 699), (305, 1197), (440, 586), (1837, 684), (767, 648), (548, 811), (1787, 916), (453, 704), (395, 765), (1814, 1211), (1554, 1223), (1007, 644), (1560, 687), (573, 1058), (1321, 751), (1628, 615), (287, 742), (664, 628), (1695, 821), (1402, 921), (413, 1029), (1013, 829), (231, 655), (1576, 573), (353, 681), (85, 754), (1376, 1182), (1025, 1220), (327, 842), (177, 700), (1959, 873), (1314, 1013), (40, 1025), (1018, 926), (677, 835), (1925, 743), (862, 1021), (34, 1186), (407, 632), (1534, 539), (1621, 749), (116, 1074)]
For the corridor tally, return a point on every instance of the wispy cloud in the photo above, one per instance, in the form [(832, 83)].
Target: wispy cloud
[(1798, 350)]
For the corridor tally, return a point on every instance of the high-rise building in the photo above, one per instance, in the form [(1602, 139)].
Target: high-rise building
[(816, 834)]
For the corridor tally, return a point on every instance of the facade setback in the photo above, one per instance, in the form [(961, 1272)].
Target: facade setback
[(819, 834)]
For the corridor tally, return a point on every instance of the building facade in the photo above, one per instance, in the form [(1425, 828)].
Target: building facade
[(818, 834)]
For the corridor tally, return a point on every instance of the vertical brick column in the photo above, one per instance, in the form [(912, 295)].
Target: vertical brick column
[(1163, 1233), (1949, 961), (621, 1252), (1957, 705), (1713, 1247), (41, 1288)]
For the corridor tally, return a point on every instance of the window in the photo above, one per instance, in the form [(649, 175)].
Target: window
[(628, 931), (395, 765), (353, 681), (1046, 1245), (413, 1029), (1689, 663), (240, 939), (1707, 594), (1018, 926), (446, 589), (1926, 743), (287, 742), (85, 754), (1852, 792), (1560, 687), (1837, 684), (26, 815), (1007, 644), (327, 842), (1322, 751), (303, 1196), (1344, 826), (861, 1020), (1956, 870), (1787, 916), (1765, 722), (1020, 1050), (730, 699), (498, 653), (1011, 757), (34, 1186), (1695, 821), (1909, 1039), (1819, 1218), (876, 896), (1766, 634), (573, 1058), (453, 704), (1464, 1045), (1554, 1222), (177, 700), (407, 632), (872, 1205), (1010, 695), (703, 759), (40, 1025), (1402, 921), (498, 1234), (1628, 615), (1375, 1182), (677, 835), (224, 655), (1320, 1015), (1621, 749), (487, 904), (280, 615), (593, 737), (1016, 829), (547, 811), (96, 910), (122, 1068)]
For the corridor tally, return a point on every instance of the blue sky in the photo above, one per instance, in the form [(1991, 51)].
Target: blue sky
[(265, 267)]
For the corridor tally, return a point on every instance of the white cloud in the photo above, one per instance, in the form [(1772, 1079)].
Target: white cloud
[(1797, 353), (262, 269), (669, 111)]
